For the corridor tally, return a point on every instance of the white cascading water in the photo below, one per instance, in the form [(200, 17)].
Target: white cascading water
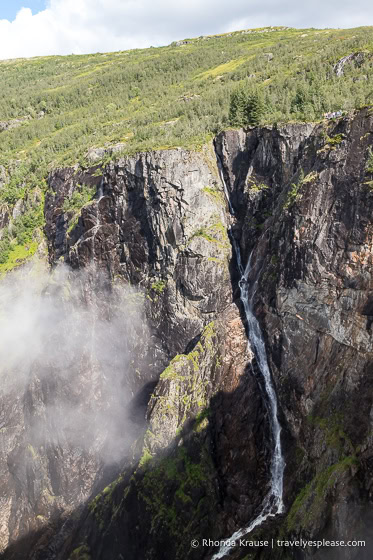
[(95, 228), (273, 503), (100, 190)]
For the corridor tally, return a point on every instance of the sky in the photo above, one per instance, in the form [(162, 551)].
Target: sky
[(9, 8), (46, 27)]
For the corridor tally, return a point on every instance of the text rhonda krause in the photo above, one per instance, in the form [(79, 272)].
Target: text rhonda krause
[(302, 543)]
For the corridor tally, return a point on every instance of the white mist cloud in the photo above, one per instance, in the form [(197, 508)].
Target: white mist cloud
[(66, 350), (83, 26)]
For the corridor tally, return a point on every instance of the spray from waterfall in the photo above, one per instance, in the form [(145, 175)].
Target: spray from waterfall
[(69, 342), (273, 502)]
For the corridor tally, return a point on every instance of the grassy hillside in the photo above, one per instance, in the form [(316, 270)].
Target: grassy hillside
[(53, 109)]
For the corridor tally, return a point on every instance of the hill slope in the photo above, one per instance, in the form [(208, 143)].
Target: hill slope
[(53, 109), (57, 111)]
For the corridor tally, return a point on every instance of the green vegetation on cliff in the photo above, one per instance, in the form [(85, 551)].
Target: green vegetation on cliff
[(174, 480), (310, 502), (21, 240), (62, 110), (53, 109)]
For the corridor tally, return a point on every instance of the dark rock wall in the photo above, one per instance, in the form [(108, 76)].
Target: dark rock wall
[(158, 223), (303, 203), (313, 253)]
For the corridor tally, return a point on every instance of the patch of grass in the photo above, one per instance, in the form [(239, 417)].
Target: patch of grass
[(293, 192), (80, 197), (159, 286), (334, 141), (310, 178), (292, 195), (145, 457), (214, 233), (201, 420), (369, 184), (257, 187), (18, 255), (82, 552), (335, 435), (185, 475), (312, 497), (215, 194), (222, 68)]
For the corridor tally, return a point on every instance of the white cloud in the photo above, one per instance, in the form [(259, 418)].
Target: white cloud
[(83, 26), (85, 345)]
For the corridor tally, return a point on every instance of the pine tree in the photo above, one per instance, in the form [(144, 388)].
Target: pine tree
[(237, 108), (245, 109), (300, 99), (254, 109)]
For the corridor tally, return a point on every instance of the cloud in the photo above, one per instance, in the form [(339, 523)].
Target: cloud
[(84, 26), (67, 344)]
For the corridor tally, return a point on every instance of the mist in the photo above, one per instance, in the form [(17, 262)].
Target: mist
[(68, 347)]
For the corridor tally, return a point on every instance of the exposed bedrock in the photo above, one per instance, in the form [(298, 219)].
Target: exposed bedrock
[(306, 192), (199, 466)]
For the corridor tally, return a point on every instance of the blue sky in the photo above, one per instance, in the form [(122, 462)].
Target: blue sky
[(9, 8)]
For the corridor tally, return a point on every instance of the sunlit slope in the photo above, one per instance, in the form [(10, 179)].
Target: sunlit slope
[(174, 95)]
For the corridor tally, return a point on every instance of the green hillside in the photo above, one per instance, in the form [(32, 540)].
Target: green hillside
[(54, 109)]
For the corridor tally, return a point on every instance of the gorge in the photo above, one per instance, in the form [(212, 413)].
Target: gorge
[(273, 502), (266, 235)]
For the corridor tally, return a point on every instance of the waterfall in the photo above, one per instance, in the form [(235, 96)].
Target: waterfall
[(99, 196), (100, 190), (273, 502)]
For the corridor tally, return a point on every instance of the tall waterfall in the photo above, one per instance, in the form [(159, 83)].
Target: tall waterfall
[(273, 502)]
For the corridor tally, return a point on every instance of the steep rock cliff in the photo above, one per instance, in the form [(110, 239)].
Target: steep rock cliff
[(303, 205), (303, 193), (157, 222)]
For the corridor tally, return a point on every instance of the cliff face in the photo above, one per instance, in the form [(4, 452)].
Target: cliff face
[(303, 205), (158, 221), (313, 256)]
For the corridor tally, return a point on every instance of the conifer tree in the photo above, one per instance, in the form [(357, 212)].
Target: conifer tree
[(246, 109), (237, 108), (254, 109), (300, 99)]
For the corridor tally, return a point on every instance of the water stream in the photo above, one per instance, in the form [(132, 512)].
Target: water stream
[(273, 502)]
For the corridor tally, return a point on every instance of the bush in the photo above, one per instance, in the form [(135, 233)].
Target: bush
[(79, 198)]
